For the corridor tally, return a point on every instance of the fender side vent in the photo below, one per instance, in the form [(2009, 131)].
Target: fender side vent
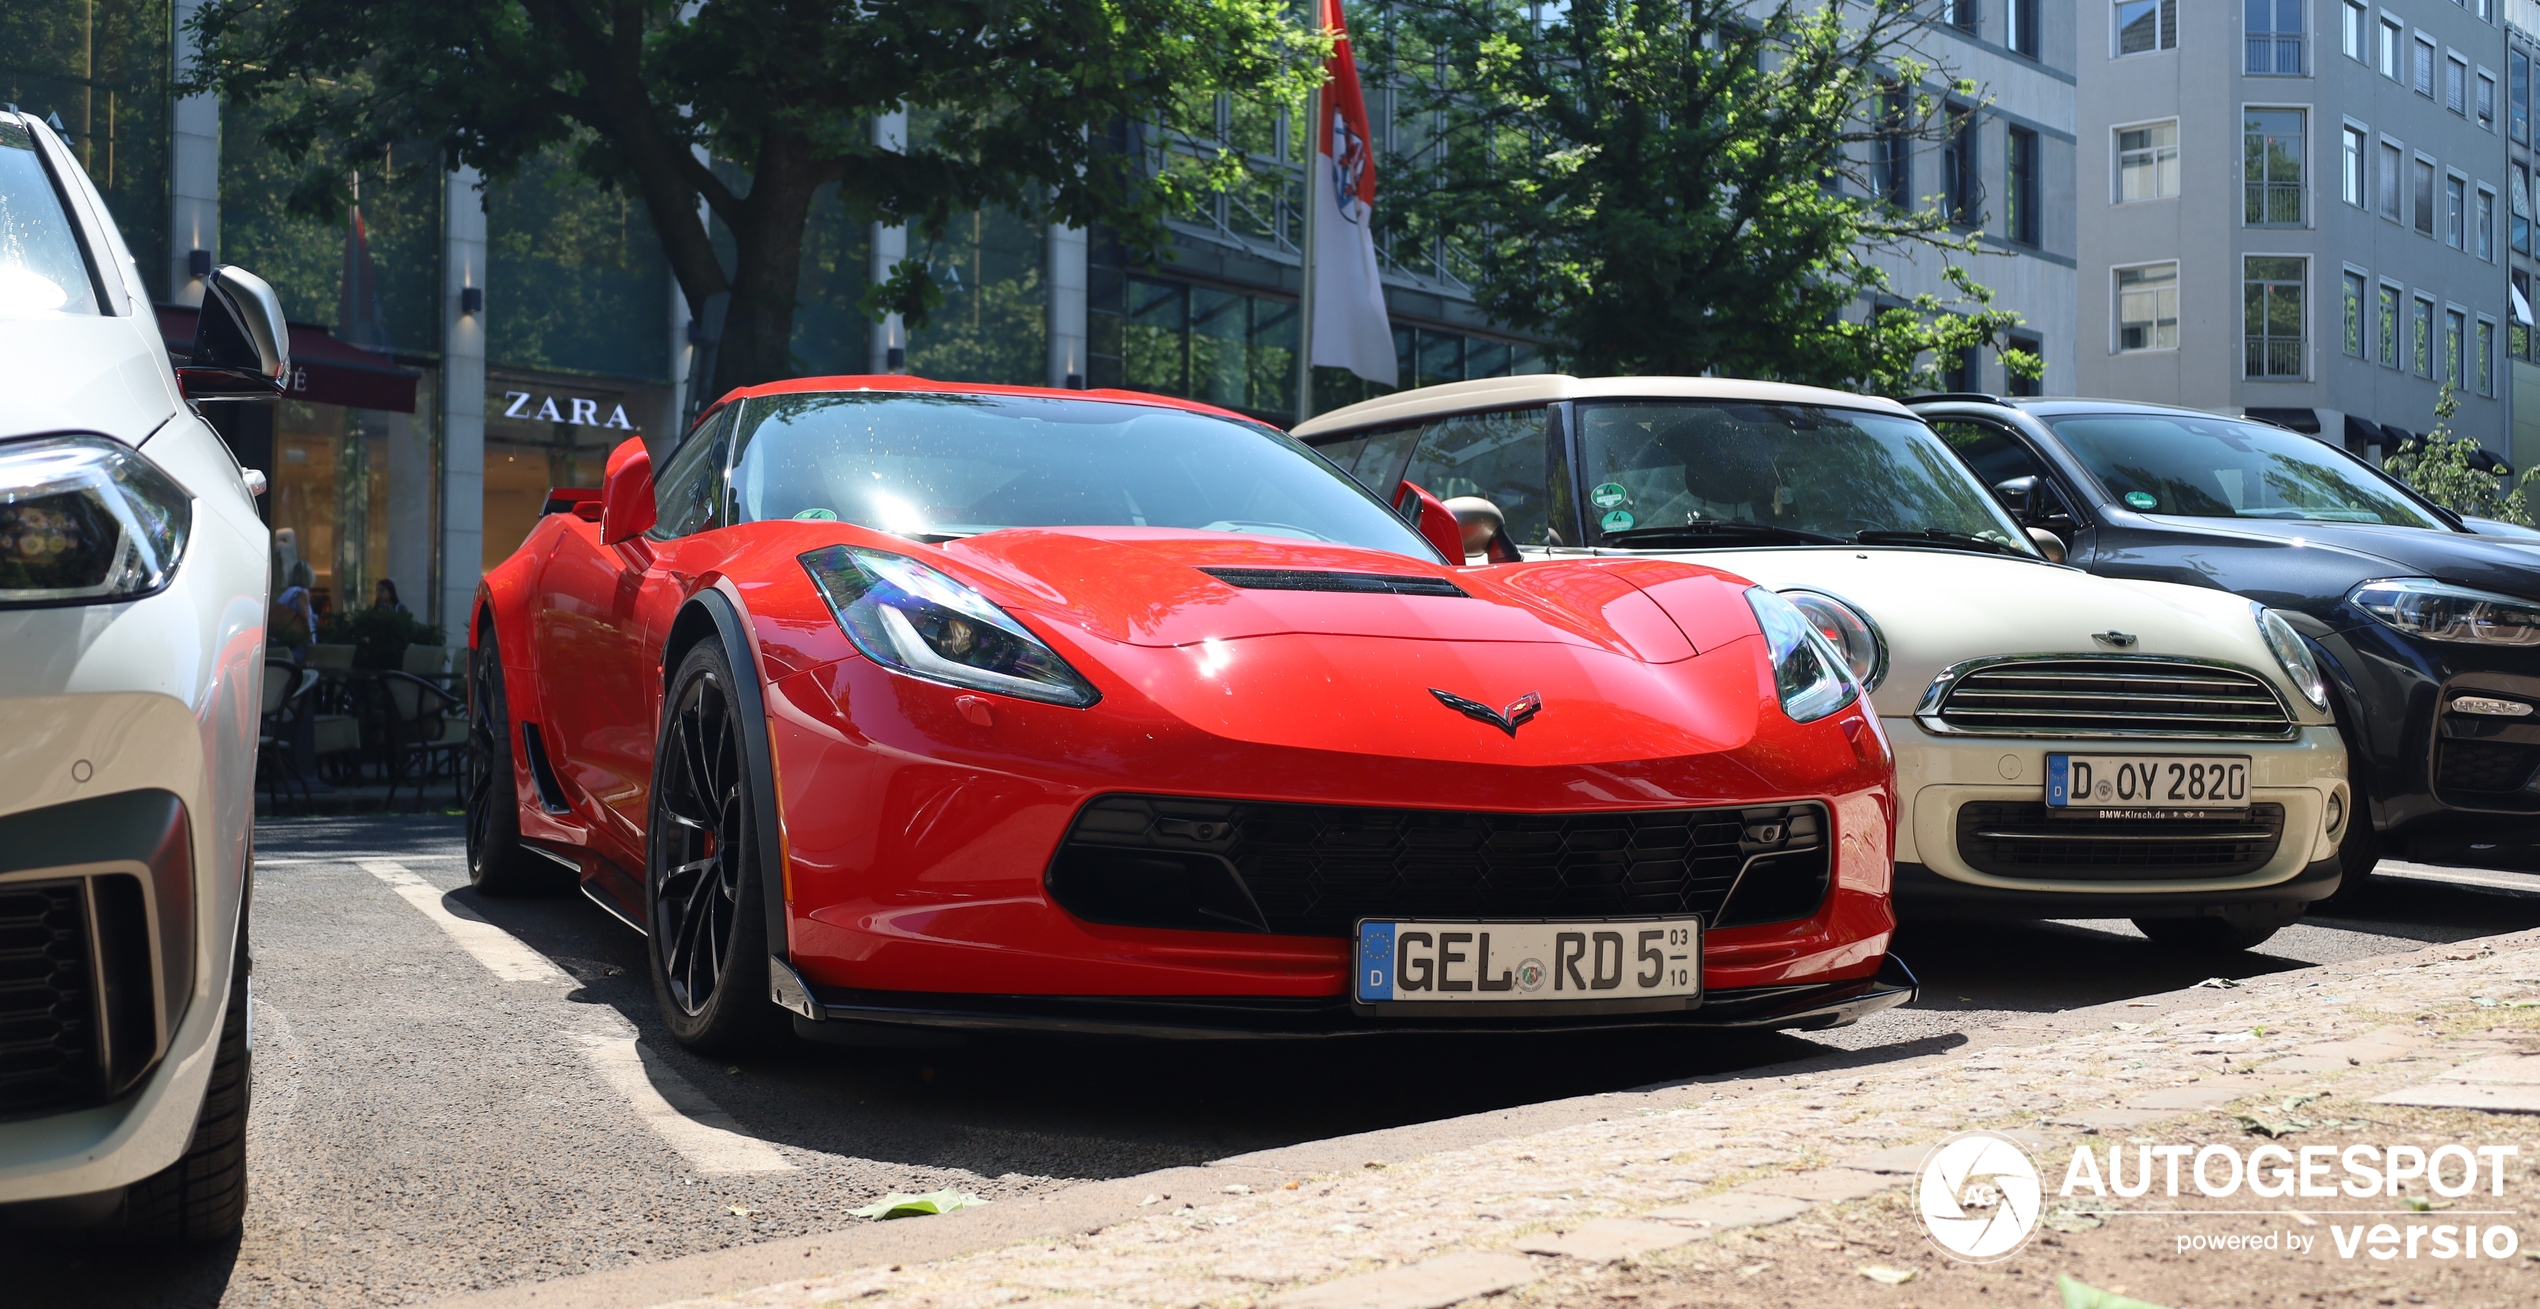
[(542, 773)]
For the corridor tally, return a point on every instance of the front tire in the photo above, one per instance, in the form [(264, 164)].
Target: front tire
[(497, 863), (2357, 855), (707, 925), (2218, 933), (203, 1195)]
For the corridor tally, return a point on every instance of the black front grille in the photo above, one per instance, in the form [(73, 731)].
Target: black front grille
[(2085, 697), (2491, 766), (1314, 870), (48, 1006), (2019, 839), (1313, 579)]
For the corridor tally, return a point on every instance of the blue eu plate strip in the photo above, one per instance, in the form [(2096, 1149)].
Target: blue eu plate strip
[(1375, 961), (2059, 769)]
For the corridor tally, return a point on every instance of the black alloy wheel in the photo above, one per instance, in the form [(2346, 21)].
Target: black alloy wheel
[(708, 923), (497, 863)]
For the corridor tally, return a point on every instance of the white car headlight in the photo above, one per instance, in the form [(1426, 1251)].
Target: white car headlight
[(85, 520), (1848, 630), (2439, 611), (1808, 674), (2294, 654), (907, 616)]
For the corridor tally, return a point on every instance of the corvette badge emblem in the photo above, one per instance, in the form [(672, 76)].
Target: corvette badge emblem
[(1508, 720)]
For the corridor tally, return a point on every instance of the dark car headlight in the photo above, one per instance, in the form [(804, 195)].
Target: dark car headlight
[(904, 615), (1808, 673), (85, 520), (2438, 611)]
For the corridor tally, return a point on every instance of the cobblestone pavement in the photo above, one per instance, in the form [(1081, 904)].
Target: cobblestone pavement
[(1603, 1210)]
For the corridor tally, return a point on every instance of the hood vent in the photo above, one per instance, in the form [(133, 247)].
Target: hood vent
[(1304, 579)]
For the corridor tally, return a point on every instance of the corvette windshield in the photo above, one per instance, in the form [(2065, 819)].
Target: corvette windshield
[(2216, 468), (1672, 474), (944, 466)]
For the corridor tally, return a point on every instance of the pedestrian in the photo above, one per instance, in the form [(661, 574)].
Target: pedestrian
[(384, 597), (294, 616)]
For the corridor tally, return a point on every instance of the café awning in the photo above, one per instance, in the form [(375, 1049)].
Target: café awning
[(323, 369)]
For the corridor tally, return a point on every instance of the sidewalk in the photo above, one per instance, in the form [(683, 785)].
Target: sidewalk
[(1782, 1190)]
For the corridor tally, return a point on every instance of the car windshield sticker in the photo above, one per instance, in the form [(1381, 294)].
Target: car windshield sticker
[(1609, 495), (819, 515), (2144, 500), (1616, 521)]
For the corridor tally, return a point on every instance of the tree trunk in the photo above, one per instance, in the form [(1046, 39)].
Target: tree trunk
[(758, 326)]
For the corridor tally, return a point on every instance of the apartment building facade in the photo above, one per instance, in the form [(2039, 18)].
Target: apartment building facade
[(2522, 229), (2296, 209)]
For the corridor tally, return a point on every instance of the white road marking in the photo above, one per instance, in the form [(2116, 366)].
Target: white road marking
[(287, 861), (682, 1118), (493, 947), (2494, 878)]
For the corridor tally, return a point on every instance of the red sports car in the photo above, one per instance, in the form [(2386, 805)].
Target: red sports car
[(904, 705)]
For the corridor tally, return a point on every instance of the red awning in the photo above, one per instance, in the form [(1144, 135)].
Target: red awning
[(323, 369)]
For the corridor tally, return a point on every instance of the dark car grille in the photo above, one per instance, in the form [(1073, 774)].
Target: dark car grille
[(2494, 768), (1315, 579), (2083, 697), (1315, 870), (48, 1005), (2018, 839)]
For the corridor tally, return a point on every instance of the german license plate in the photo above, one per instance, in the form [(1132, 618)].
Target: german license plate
[(1514, 962), (2161, 786)]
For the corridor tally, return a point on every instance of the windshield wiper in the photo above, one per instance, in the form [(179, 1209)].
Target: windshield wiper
[(1705, 528), (1942, 537)]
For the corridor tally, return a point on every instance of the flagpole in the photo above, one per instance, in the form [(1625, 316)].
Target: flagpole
[(1317, 131)]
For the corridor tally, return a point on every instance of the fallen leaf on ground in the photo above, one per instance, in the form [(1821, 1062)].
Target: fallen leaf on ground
[(2082, 1295), (1885, 1275), (896, 1205), (2219, 984), (2304, 1219), (2272, 1127), (2129, 1027), (739, 1212)]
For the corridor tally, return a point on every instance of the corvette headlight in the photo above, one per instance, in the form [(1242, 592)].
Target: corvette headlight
[(1849, 631), (1808, 674), (2294, 654), (84, 520), (2439, 611), (907, 616)]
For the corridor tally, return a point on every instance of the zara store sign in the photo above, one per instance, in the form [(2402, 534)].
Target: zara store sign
[(583, 412)]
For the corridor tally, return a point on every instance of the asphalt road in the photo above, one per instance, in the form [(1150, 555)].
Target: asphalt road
[(443, 1107)]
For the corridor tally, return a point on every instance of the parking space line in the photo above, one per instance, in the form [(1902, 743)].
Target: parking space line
[(493, 947), (685, 1120)]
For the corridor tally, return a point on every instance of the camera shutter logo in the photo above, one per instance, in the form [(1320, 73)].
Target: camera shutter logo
[(1979, 1194)]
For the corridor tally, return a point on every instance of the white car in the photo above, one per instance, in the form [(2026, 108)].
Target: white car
[(133, 584), (2067, 746)]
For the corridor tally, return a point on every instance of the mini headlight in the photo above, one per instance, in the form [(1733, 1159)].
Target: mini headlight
[(2439, 611), (1808, 674), (907, 616), (2294, 654), (84, 519), (1849, 631)]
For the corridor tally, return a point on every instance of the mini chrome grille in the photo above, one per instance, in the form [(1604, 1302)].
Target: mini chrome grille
[(2098, 697)]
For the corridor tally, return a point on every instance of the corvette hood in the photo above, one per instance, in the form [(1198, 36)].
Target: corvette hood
[(2370, 550)]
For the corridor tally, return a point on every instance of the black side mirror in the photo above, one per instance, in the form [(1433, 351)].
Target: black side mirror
[(2019, 495), (242, 346)]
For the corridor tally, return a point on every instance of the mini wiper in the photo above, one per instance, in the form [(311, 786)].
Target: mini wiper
[(1941, 537), (1703, 530)]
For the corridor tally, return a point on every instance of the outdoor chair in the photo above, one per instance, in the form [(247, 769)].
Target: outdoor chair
[(426, 726), (279, 725)]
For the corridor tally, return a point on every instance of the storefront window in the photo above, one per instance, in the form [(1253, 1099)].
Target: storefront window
[(994, 323), (544, 431), (576, 281)]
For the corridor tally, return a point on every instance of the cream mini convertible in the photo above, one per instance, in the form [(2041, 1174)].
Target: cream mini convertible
[(2067, 746)]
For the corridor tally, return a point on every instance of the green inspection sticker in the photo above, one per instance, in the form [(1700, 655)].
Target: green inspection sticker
[(2144, 500), (1609, 495), (1616, 521), (818, 515)]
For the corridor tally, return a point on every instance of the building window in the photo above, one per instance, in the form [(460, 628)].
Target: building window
[(2274, 30), (2392, 36), (2019, 166), (2389, 188), (2422, 196), (2147, 308), (2146, 25), (2456, 84), (2487, 101), (2485, 362), (2455, 211), (1963, 16), (2358, 32), (2022, 18), (2350, 314), (2352, 178), (2272, 167), (2421, 336), (2271, 290), (2421, 69), (2520, 200), (2518, 96), (2455, 327), (2386, 323), (1965, 371), (2518, 333), (1895, 147), (2483, 221), (2147, 162), (1961, 186), (2013, 382)]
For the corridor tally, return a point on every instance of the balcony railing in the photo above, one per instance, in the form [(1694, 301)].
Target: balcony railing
[(2275, 356), (2274, 54)]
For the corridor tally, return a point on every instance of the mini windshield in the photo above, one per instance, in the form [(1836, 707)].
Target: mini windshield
[(2218, 468), (937, 467), (42, 274), (1672, 474)]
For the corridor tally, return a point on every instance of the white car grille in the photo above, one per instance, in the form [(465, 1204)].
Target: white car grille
[(2106, 696)]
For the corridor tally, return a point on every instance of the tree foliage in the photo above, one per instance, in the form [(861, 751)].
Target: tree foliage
[(2444, 468), (1691, 186), (1019, 99)]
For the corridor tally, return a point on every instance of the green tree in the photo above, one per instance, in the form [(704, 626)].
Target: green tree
[(2438, 466), (1022, 99), (1693, 185)]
